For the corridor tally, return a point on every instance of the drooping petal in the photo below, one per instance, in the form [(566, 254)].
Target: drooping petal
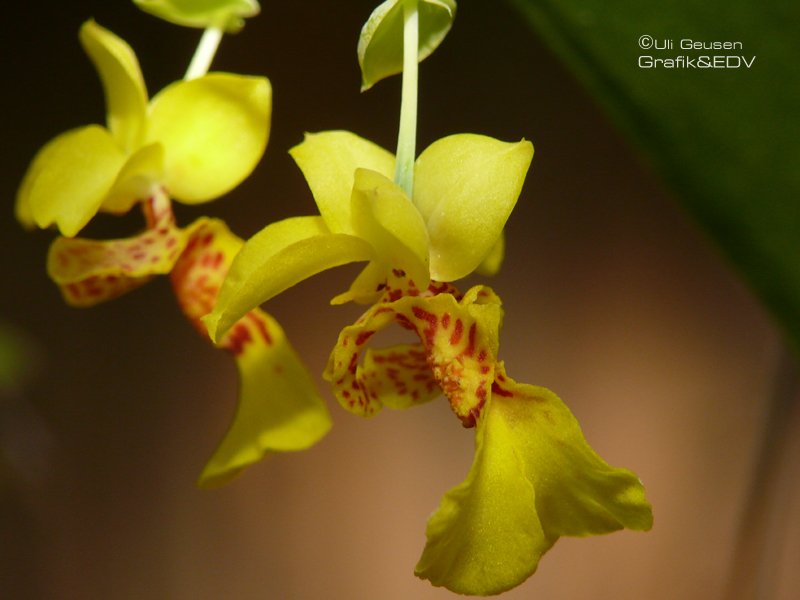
[(89, 272), (279, 409), (276, 258), (384, 216), (329, 161), (214, 130), (126, 95), (68, 180), (486, 536), (138, 179), (225, 14), (380, 45), (534, 479), (465, 187)]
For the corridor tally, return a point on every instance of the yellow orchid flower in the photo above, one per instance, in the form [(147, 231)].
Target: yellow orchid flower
[(198, 138), (534, 477), (194, 141)]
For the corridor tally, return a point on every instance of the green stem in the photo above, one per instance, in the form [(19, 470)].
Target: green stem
[(407, 135), (206, 49)]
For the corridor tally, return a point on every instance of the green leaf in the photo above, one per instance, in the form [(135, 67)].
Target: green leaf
[(726, 140), (380, 46)]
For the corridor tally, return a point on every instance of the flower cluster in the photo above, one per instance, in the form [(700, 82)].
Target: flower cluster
[(418, 223)]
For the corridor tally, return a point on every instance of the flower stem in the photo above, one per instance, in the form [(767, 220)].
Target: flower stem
[(407, 135), (206, 49)]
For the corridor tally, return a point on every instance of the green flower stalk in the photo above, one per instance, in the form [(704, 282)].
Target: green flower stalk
[(534, 477)]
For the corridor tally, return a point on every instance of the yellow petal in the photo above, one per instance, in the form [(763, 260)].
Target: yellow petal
[(278, 257), (279, 409), (126, 96), (225, 14), (214, 130), (68, 180), (89, 272), (485, 537), (534, 478), (380, 45), (384, 216), (465, 187), (329, 161), (367, 287), (492, 262), (137, 180)]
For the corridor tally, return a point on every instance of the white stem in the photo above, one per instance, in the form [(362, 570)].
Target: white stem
[(407, 135), (206, 49)]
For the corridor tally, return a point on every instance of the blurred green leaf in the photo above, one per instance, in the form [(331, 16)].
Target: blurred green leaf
[(726, 139)]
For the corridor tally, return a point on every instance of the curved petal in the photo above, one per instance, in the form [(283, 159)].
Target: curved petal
[(276, 258), (491, 263), (68, 180), (137, 179), (380, 45), (126, 95), (279, 409), (89, 272), (485, 537), (384, 216), (214, 130), (460, 338), (534, 478), (329, 161), (465, 187)]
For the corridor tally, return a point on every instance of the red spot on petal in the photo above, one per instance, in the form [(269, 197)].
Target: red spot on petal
[(458, 331), (363, 337)]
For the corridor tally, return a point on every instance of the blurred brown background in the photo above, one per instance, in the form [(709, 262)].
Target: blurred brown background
[(614, 300)]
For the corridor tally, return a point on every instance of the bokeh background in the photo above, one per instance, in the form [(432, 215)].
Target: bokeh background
[(614, 299)]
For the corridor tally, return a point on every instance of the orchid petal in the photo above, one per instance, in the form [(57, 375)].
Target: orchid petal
[(380, 45), (367, 287), (278, 257), (460, 339), (465, 187), (494, 260), (214, 130), (68, 180), (384, 216), (329, 161), (226, 14), (136, 180), (89, 272), (279, 409), (126, 95), (534, 478)]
